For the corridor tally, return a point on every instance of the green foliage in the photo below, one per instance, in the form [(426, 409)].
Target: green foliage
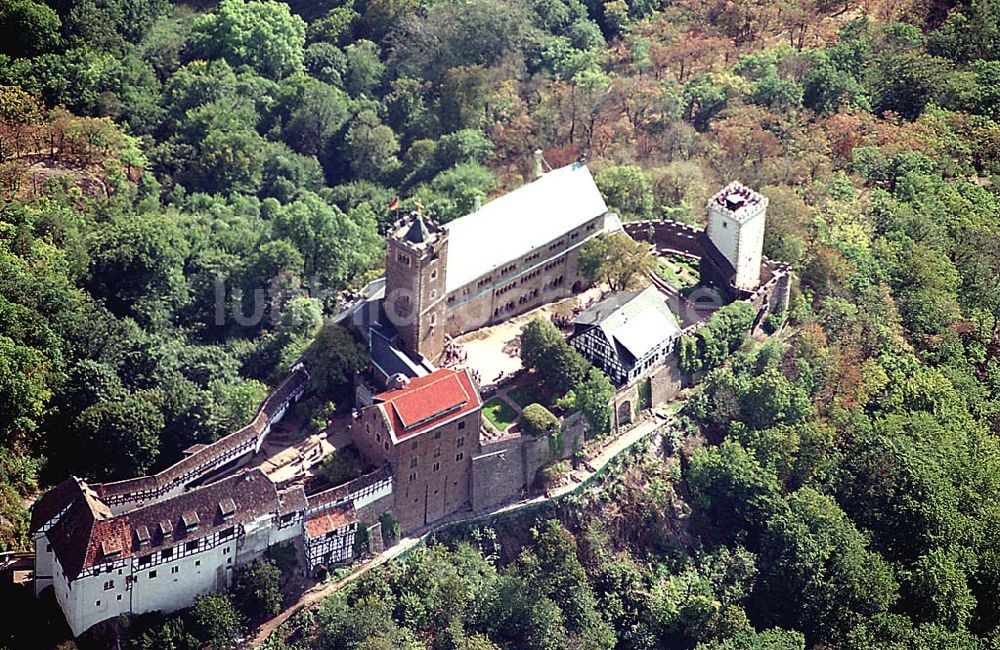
[(216, 620), (28, 28), (537, 420), (593, 397), (544, 349), (499, 413), (390, 528), (256, 591), (616, 259), (723, 334), (333, 357), (341, 465), (264, 35), (628, 190)]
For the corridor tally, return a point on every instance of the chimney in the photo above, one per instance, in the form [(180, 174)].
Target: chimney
[(539, 164)]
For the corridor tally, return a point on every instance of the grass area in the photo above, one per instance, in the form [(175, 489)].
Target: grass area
[(500, 414), (526, 394), (677, 271)]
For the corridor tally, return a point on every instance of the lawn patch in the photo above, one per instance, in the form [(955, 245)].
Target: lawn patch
[(499, 413)]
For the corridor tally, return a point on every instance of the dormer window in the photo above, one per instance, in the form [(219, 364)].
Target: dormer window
[(111, 548), (190, 520), (227, 508), (142, 535), (166, 529)]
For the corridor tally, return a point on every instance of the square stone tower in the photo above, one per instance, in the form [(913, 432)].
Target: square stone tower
[(736, 217), (415, 267)]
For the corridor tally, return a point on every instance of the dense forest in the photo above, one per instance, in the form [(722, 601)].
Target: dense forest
[(188, 188)]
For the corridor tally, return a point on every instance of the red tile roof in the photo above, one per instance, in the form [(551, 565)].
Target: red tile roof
[(330, 520), (429, 401)]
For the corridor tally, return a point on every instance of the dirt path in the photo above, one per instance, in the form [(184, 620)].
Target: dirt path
[(593, 466)]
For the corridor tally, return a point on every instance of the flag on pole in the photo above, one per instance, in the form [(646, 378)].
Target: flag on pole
[(394, 205)]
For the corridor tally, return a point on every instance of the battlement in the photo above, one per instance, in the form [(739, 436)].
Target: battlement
[(416, 233), (738, 201)]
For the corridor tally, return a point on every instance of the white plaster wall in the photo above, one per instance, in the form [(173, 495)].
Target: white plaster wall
[(195, 575), (383, 490), (44, 563), (87, 602), (751, 249), (741, 243)]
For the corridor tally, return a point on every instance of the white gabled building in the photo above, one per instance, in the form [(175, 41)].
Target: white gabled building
[(626, 334)]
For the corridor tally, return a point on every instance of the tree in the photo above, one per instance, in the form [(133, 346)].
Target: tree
[(537, 420), (628, 190), (333, 358), (543, 349), (593, 397), (363, 68), (28, 28), (818, 574), (255, 590), (372, 147), (126, 435), (538, 336), (320, 114), (263, 35), (616, 259), (216, 620)]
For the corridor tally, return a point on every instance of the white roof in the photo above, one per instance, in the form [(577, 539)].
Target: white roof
[(644, 331), (507, 228)]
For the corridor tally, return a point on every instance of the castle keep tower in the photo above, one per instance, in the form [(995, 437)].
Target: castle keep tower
[(736, 217), (415, 268)]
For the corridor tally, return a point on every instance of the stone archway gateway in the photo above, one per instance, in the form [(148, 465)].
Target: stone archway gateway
[(625, 412)]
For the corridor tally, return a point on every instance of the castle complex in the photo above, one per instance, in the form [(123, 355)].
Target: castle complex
[(508, 257), (155, 543)]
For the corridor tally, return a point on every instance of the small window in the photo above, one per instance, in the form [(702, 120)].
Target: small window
[(174, 569), (434, 274), (459, 456), (109, 584), (437, 466), (48, 548), (119, 597), (461, 425), (197, 562), (437, 435), (225, 551), (460, 441), (413, 476), (191, 546), (413, 462), (98, 604), (152, 575)]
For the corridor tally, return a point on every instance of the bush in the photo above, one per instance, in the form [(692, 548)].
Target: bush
[(341, 466), (256, 590), (216, 620), (773, 322), (538, 420), (554, 473), (390, 528)]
